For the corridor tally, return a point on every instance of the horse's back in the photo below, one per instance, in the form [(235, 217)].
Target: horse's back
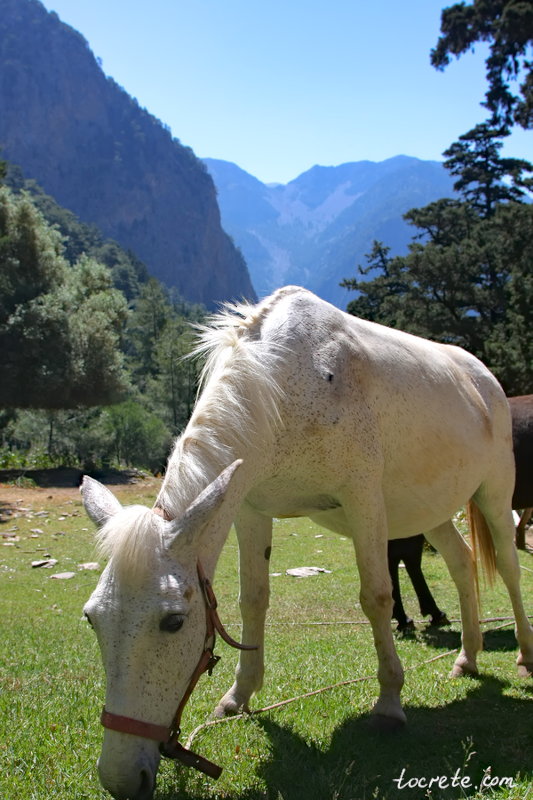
[(335, 359), (425, 420)]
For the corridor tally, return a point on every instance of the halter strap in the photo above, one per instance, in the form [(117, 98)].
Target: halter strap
[(170, 746)]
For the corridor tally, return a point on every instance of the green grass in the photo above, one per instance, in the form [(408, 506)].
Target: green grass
[(320, 748)]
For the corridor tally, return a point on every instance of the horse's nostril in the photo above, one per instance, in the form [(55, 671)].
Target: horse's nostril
[(147, 787)]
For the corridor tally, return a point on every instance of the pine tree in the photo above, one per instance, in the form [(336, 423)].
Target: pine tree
[(481, 170), (507, 25)]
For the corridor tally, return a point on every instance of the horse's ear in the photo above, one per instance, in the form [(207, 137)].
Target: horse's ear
[(100, 504), (203, 509)]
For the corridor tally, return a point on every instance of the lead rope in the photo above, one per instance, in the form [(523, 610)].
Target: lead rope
[(247, 714)]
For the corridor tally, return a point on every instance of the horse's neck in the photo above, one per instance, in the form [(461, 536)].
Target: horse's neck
[(185, 479), (194, 463), (187, 475)]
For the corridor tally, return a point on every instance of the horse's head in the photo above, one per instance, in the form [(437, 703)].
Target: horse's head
[(149, 614)]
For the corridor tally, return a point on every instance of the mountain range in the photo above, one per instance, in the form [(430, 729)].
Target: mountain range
[(317, 229), (100, 155)]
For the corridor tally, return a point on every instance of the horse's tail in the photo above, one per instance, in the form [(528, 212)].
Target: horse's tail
[(481, 543)]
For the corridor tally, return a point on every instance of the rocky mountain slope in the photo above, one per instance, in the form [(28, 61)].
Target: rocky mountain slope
[(316, 230), (98, 153)]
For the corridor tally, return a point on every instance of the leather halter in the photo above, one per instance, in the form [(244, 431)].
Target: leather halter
[(168, 737)]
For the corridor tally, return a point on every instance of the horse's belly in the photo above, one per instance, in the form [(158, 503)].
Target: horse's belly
[(410, 508), (414, 508), (404, 518), (283, 498)]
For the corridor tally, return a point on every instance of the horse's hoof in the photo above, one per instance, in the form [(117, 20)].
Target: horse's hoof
[(439, 620), (525, 670), (225, 710), (462, 671), (230, 708), (406, 627), (385, 724)]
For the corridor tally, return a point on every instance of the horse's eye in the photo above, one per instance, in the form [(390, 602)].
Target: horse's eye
[(172, 623)]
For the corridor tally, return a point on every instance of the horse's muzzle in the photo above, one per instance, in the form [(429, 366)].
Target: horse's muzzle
[(138, 784)]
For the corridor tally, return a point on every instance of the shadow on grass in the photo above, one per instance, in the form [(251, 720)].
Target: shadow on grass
[(489, 728), (503, 640), (64, 477), (496, 640), (441, 638)]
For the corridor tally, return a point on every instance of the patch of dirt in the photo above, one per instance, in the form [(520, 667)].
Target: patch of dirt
[(61, 485)]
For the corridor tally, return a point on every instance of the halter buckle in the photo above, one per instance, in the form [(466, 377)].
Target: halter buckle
[(211, 664), (174, 750)]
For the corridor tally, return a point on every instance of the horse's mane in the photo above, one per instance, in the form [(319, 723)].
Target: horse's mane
[(237, 409), (236, 414), (240, 364)]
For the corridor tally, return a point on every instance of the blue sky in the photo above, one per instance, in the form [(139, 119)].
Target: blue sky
[(279, 86)]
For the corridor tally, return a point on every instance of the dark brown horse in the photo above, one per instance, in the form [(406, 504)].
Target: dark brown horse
[(522, 416), (409, 551)]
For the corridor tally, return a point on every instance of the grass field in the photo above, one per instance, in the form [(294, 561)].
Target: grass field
[(319, 748)]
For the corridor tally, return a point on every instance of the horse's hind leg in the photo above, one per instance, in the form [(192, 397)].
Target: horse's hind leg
[(254, 533), (501, 526), (458, 557)]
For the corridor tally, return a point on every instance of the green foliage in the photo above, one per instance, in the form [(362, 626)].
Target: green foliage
[(158, 337), (177, 376), (121, 435), (471, 291), (150, 314), (507, 25), (59, 325), (30, 254), (78, 238), (39, 439), (69, 341), (135, 436)]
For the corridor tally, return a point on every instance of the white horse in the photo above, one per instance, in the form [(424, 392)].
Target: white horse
[(304, 411)]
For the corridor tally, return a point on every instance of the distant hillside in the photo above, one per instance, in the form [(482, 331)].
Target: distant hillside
[(316, 230), (92, 148)]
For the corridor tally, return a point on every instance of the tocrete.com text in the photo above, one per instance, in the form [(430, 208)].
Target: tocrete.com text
[(457, 781)]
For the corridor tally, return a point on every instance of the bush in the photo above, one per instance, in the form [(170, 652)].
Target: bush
[(138, 437)]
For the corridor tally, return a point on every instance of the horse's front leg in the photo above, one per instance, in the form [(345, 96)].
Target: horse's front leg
[(254, 533), (369, 531)]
